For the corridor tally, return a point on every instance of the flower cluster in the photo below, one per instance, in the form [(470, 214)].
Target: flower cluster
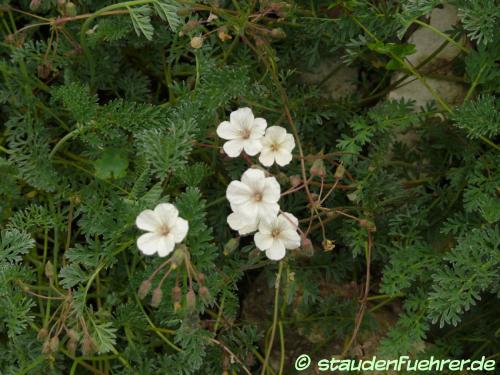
[(244, 132), (254, 199)]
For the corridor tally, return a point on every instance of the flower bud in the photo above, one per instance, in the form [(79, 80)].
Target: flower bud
[(49, 270), (318, 168), (46, 347), (35, 4), (231, 245), (339, 172), (204, 294), (196, 42), (178, 256), (54, 344), (295, 180), (144, 289), (307, 247), (70, 9), (71, 346), (278, 33), (156, 297), (42, 334), (72, 335), (88, 345), (191, 300), (201, 278), (176, 294)]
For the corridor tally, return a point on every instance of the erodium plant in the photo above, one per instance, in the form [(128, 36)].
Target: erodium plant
[(218, 187)]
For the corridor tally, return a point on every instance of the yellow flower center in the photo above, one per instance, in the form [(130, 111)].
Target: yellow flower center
[(164, 230), (257, 197), (275, 147), (275, 233), (245, 134)]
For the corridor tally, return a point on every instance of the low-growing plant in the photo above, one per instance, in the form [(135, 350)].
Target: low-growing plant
[(177, 197)]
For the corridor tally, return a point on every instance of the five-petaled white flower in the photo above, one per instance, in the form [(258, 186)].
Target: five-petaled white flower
[(243, 132), (277, 234), (277, 146), (255, 196), (165, 229)]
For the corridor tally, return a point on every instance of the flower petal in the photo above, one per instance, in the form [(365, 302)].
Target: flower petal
[(238, 193), (276, 134), (180, 229), (283, 157), (149, 243), (248, 209), (290, 239), (255, 179), (244, 225), (272, 190), (258, 128), (226, 130), (288, 143), (268, 210), (242, 117), (148, 220), (266, 157), (167, 245), (263, 241), (289, 220), (276, 251), (233, 147), (252, 146), (166, 213)]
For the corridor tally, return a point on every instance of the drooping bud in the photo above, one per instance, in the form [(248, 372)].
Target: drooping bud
[(190, 300), (35, 4), (46, 347), (295, 180), (72, 335), (231, 245), (42, 334), (71, 346), (176, 294), (318, 168), (54, 344), (278, 33), (196, 42), (156, 297), (178, 256), (70, 9), (339, 172), (307, 247), (204, 294), (49, 270), (201, 278), (88, 345), (144, 289)]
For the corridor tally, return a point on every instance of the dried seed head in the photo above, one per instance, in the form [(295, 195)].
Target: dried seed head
[(191, 300), (144, 289), (328, 245), (156, 297), (318, 168), (54, 344), (223, 36), (42, 334), (196, 42)]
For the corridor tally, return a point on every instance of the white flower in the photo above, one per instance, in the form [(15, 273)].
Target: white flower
[(277, 146), (255, 196), (277, 234), (165, 229), (243, 224), (243, 132)]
